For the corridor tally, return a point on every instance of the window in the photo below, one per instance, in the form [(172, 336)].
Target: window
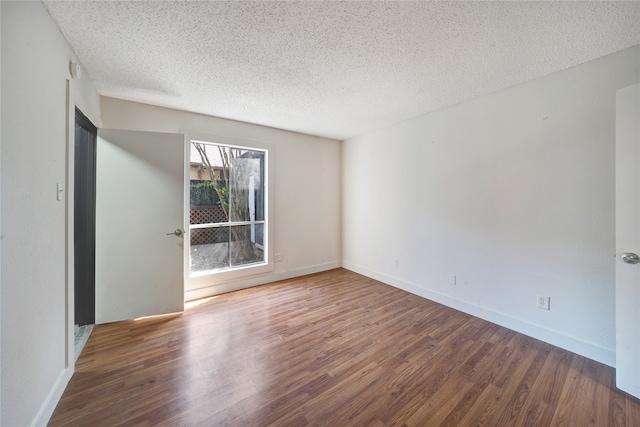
[(227, 227)]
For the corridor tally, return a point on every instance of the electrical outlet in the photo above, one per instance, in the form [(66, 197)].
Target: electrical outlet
[(452, 279), (543, 302), (277, 257), (396, 263)]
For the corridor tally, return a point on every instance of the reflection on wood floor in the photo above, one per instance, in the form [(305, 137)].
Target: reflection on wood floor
[(332, 349)]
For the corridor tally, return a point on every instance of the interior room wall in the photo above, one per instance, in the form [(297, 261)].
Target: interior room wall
[(513, 193), (307, 225), (34, 109)]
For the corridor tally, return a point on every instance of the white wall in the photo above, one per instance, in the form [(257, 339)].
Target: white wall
[(35, 325), (512, 192), (306, 187)]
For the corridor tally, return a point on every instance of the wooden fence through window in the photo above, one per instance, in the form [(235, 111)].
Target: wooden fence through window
[(208, 215)]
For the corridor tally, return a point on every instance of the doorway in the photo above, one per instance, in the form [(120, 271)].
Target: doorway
[(84, 222)]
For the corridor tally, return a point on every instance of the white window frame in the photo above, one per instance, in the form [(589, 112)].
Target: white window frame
[(213, 282)]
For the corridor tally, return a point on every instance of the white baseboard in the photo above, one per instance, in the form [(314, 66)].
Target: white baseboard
[(49, 405), (236, 285), (583, 348)]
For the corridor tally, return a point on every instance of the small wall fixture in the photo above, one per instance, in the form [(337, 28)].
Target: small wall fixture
[(76, 71)]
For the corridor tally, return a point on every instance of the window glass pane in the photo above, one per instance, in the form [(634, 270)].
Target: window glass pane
[(245, 185), (209, 249), (258, 233), (244, 248), (227, 184), (207, 174)]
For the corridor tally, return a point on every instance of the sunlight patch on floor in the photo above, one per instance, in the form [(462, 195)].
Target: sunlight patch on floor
[(197, 302)]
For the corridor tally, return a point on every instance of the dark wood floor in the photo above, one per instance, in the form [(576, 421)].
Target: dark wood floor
[(333, 349)]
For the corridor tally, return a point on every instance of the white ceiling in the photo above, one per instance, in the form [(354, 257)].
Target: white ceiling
[(334, 69)]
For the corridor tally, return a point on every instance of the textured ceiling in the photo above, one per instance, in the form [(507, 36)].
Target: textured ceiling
[(334, 69)]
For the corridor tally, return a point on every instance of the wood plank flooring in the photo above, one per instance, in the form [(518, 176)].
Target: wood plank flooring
[(332, 349)]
